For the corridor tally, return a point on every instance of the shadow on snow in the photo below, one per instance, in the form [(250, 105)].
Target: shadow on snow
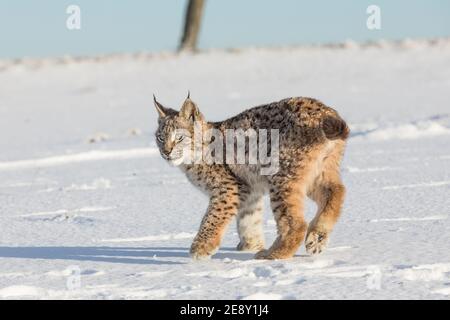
[(126, 255)]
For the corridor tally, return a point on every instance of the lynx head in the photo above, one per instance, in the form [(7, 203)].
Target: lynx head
[(175, 132)]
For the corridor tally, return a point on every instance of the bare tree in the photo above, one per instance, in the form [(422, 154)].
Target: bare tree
[(192, 20)]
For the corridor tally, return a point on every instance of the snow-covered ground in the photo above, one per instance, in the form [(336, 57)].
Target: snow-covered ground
[(83, 190)]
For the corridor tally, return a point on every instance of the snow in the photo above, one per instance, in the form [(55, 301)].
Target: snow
[(19, 291), (414, 130), (263, 296), (89, 210), (96, 155)]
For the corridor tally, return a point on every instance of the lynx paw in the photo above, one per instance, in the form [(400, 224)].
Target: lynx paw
[(202, 251), (264, 254), (269, 254), (316, 242), (250, 246)]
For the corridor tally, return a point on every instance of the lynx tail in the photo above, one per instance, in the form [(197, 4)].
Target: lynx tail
[(335, 128)]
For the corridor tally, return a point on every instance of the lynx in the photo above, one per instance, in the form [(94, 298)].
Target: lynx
[(311, 144)]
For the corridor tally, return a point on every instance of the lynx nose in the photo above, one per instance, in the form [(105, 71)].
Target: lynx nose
[(165, 156)]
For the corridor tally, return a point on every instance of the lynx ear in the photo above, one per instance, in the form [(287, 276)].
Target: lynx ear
[(190, 111), (162, 111)]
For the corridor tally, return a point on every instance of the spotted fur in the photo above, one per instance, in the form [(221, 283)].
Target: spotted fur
[(312, 140)]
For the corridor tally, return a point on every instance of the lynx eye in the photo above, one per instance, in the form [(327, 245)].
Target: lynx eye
[(159, 138), (177, 137)]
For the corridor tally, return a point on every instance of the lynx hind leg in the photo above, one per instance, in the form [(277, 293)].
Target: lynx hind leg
[(328, 192), (250, 224), (287, 198)]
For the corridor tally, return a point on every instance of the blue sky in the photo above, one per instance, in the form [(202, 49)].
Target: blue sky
[(38, 28)]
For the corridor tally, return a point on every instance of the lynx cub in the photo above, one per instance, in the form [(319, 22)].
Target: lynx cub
[(311, 144)]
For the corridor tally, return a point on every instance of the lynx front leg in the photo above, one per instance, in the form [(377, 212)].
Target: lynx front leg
[(223, 206), (287, 205), (250, 224)]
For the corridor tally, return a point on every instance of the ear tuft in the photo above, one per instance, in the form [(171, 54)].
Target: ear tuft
[(162, 112), (189, 110)]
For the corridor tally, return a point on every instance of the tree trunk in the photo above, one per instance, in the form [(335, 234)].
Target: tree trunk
[(192, 22)]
